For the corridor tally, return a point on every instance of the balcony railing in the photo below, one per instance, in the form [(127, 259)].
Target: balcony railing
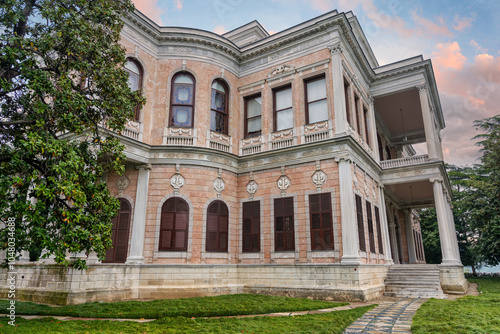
[(401, 162)]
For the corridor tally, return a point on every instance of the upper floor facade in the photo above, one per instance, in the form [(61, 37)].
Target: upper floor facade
[(247, 92)]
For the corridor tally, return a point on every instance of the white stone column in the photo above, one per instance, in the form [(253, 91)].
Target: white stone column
[(373, 129), (350, 242), (430, 131), (136, 254), (394, 241), (338, 89), (385, 226), (447, 236), (451, 219), (410, 239)]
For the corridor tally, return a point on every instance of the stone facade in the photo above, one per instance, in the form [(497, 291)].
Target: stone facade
[(354, 156)]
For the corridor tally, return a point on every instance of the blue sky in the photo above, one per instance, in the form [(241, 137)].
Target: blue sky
[(462, 38)]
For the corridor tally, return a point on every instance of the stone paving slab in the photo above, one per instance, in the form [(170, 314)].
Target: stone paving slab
[(388, 317)]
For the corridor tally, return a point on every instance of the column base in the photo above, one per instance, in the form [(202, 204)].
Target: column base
[(135, 260), (351, 260), (452, 279)]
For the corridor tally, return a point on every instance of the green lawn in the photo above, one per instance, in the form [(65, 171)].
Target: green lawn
[(467, 315), (239, 304), (334, 322), (182, 316)]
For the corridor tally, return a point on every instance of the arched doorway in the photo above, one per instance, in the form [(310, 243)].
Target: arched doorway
[(119, 235)]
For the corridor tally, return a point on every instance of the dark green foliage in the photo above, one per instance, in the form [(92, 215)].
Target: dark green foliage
[(430, 236), (61, 77)]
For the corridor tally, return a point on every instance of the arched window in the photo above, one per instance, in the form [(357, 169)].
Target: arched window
[(119, 235), (219, 113), (174, 225), (182, 100), (217, 227), (135, 74)]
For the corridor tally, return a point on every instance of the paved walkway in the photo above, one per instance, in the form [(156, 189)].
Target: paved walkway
[(388, 317)]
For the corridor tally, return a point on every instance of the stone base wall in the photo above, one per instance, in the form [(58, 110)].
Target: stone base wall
[(453, 280), (103, 282)]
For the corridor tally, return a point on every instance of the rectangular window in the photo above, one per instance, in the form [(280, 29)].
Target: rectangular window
[(316, 102), (284, 237), (282, 106), (365, 117), (369, 218), (347, 88), (357, 115), (361, 226), (379, 231), (251, 227), (253, 114), (320, 211)]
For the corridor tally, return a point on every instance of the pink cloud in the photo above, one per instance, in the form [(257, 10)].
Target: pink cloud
[(178, 4), (462, 23), (448, 55), (151, 9), (432, 27), (219, 29), (478, 47)]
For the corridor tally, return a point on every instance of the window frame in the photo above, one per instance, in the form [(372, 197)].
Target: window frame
[(218, 239), (174, 230), (328, 210), (365, 119), (172, 104), (357, 113), (226, 106), (286, 214), (137, 109), (253, 235), (369, 220), (246, 99), (379, 230), (275, 111), (347, 93), (111, 253), (361, 225), (306, 99)]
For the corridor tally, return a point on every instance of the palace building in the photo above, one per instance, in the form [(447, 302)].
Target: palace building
[(278, 164)]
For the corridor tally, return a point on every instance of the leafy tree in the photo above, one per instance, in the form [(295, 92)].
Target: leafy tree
[(61, 77), (430, 236), (489, 215)]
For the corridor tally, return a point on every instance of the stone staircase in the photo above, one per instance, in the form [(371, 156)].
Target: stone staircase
[(413, 280)]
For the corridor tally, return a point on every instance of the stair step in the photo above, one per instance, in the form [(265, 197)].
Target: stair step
[(413, 281)]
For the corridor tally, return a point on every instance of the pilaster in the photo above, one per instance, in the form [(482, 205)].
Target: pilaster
[(136, 254), (338, 89), (385, 226), (350, 242), (410, 240)]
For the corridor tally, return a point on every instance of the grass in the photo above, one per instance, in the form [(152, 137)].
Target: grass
[(333, 322), (467, 315), (239, 304)]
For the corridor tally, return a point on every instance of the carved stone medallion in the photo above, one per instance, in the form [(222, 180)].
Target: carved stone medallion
[(177, 181), (319, 178), (284, 182), (219, 185), (122, 183), (252, 187)]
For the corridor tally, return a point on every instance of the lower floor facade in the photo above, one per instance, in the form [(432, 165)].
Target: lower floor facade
[(311, 221)]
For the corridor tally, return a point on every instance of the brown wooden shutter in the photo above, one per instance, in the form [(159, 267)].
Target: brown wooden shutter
[(361, 226), (251, 226), (174, 225), (320, 213), (217, 227), (119, 235), (379, 231), (284, 224), (369, 219)]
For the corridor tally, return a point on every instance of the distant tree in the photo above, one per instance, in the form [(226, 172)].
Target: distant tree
[(61, 77), (430, 236)]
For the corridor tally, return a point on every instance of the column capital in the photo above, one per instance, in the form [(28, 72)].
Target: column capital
[(422, 88), (143, 166), (436, 179), (335, 48), (371, 99), (344, 157)]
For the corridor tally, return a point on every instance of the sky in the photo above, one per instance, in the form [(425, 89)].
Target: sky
[(462, 39)]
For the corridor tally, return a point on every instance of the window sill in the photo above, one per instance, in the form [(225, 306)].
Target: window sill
[(215, 255), (171, 254)]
